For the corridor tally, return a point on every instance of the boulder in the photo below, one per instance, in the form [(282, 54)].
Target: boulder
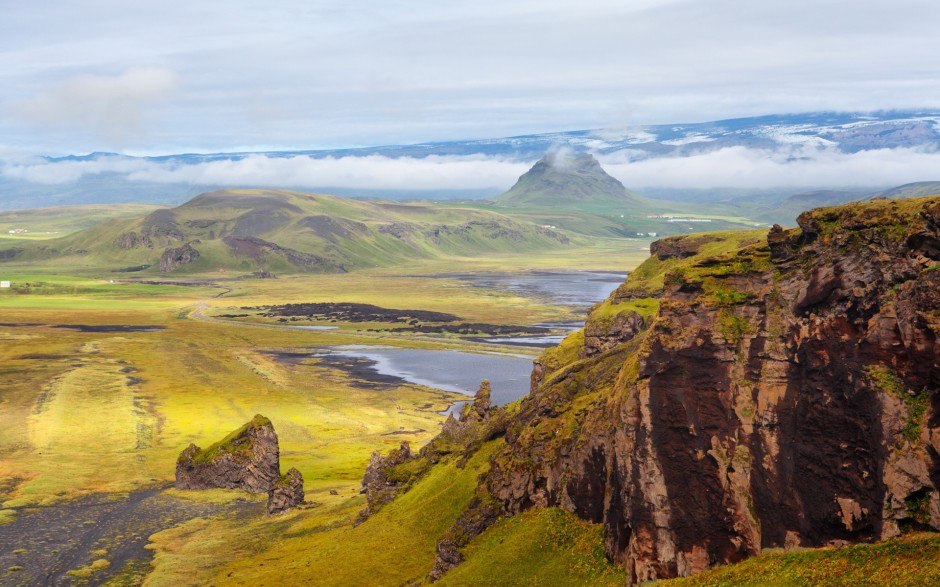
[(287, 493)]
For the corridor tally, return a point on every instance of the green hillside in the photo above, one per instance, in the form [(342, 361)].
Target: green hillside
[(280, 231), (58, 221)]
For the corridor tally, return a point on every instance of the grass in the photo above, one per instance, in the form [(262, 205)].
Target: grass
[(395, 546), (910, 560), (45, 223), (90, 569), (538, 547)]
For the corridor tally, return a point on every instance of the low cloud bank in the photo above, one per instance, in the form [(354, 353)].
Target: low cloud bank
[(738, 167)]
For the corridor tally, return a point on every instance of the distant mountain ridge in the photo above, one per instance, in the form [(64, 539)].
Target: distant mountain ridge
[(840, 131), (281, 231)]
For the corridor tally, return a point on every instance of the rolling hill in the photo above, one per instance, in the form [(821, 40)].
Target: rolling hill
[(63, 220), (283, 232)]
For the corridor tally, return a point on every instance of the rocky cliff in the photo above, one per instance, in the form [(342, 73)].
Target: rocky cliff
[(744, 391), (248, 459)]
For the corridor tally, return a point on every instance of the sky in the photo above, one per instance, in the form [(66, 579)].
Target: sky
[(177, 76)]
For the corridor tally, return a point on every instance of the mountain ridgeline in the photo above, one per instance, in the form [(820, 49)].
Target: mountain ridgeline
[(285, 232)]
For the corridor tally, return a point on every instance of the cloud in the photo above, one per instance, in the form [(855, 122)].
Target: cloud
[(370, 172), (739, 167), (742, 167), (112, 107)]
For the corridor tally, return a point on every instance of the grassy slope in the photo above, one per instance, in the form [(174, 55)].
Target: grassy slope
[(63, 220), (394, 547), (354, 234), (908, 561)]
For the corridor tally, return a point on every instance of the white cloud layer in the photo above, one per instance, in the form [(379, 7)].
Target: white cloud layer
[(730, 167), (799, 168), (370, 172)]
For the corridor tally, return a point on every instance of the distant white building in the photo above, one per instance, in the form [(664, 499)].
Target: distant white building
[(4, 284)]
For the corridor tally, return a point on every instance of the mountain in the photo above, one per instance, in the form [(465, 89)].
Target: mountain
[(739, 392), (786, 211), (568, 181), (910, 190), (169, 179), (283, 232)]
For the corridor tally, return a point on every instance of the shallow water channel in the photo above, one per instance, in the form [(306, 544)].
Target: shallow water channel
[(461, 372)]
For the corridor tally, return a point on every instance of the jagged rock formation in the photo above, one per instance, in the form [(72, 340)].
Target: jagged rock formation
[(771, 391), (287, 492), (248, 459), (379, 482), (174, 257)]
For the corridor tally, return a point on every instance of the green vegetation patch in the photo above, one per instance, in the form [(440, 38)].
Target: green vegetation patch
[(89, 570), (235, 444), (543, 546), (907, 561), (887, 381)]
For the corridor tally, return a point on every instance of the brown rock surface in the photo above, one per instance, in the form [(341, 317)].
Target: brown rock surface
[(174, 257), (379, 486), (248, 459), (287, 492)]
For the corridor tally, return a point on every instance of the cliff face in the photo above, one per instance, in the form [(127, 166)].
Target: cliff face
[(747, 391), (248, 459)]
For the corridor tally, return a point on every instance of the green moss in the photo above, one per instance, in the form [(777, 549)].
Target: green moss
[(408, 472), (918, 507), (726, 296), (89, 570), (541, 546), (887, 381), (236, 443), (732, 327)]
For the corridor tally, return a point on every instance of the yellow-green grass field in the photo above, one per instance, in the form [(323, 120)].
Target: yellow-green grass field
[(84, 412), (110, 411)]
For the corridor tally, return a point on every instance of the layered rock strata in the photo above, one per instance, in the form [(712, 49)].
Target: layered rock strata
[(782, 390)]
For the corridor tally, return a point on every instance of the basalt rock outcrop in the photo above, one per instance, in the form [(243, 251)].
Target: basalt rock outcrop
[(287, 492), (781, 390), (247, 459), (380, 483), (174, 257)]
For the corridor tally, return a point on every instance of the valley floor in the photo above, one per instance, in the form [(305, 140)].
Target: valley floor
[(103, 384)]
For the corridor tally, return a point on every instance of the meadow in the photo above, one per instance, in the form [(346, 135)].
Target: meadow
[(140, 370), (106, 379)]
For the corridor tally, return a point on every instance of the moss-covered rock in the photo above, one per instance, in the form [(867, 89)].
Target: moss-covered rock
[(248, 459)]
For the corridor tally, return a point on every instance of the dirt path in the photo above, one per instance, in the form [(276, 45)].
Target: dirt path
[(43, 544)]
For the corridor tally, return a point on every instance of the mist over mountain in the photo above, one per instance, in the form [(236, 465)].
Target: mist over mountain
[(562, 179), (768, 158)]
